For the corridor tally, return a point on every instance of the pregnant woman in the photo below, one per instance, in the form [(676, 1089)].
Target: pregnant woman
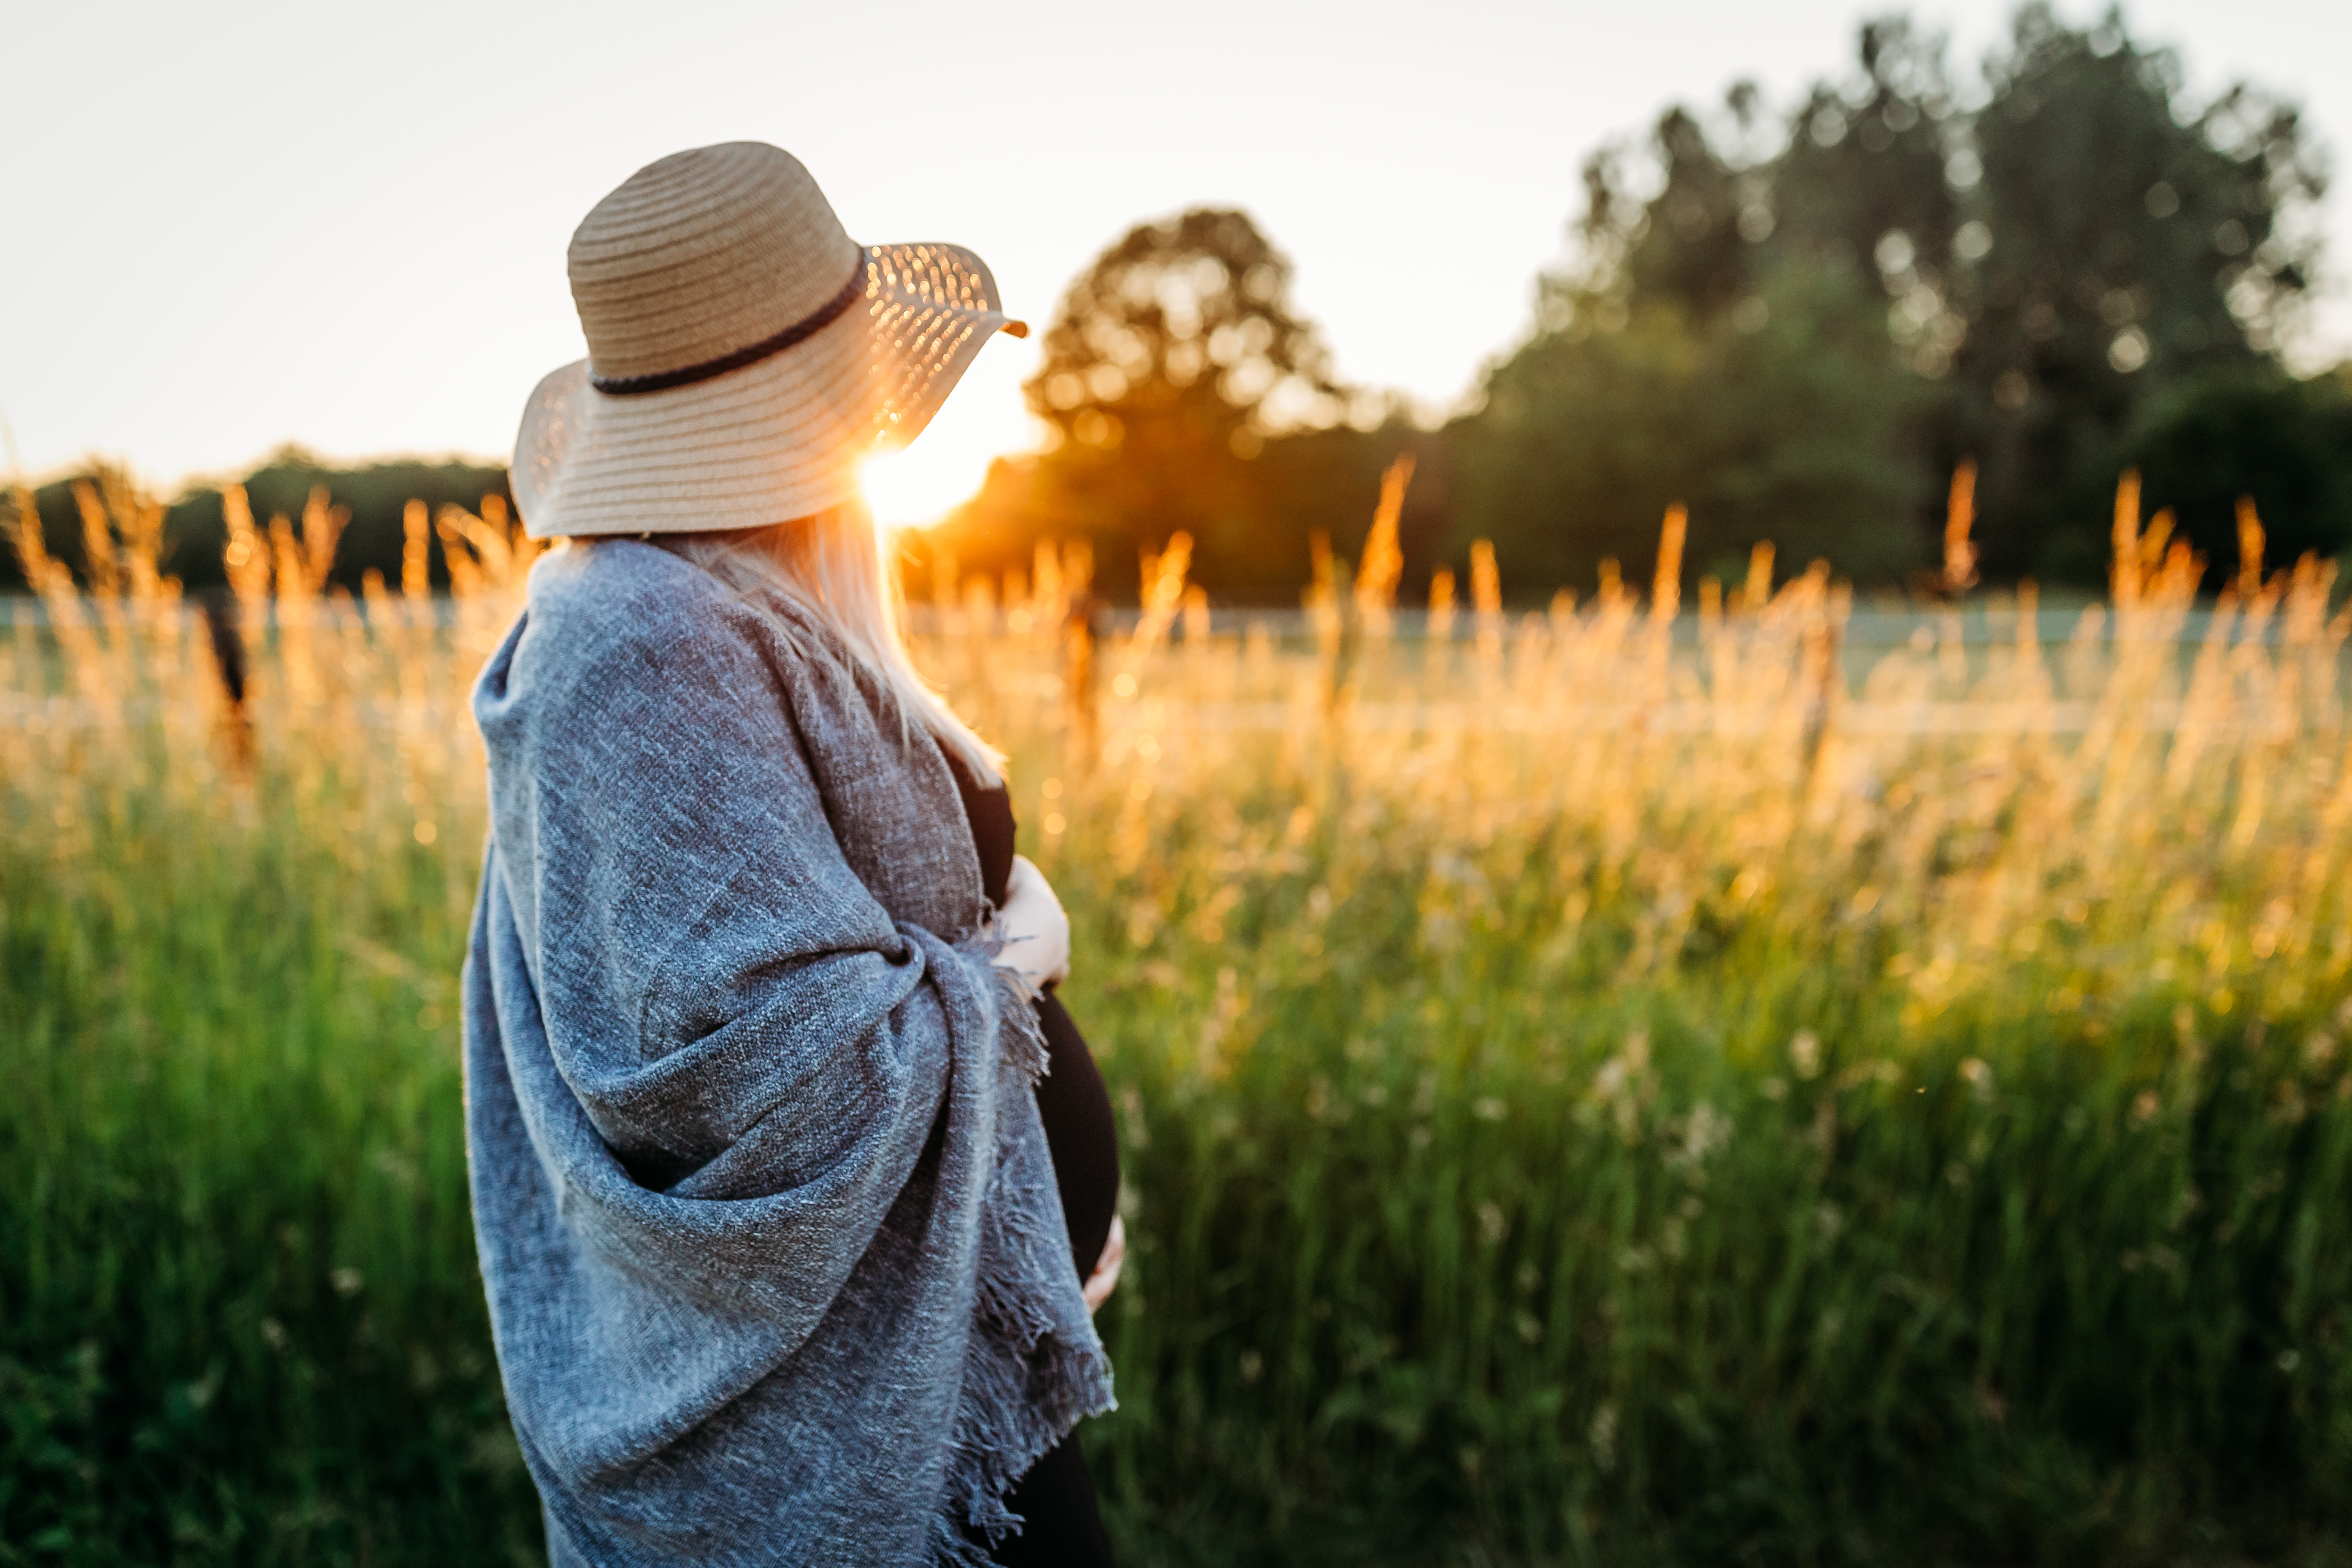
[(792, 1183)]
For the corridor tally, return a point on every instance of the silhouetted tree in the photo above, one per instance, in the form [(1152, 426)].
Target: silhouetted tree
[(2286, 445), (2130, 244), (1785, 419), (1174, 369), (196, 530), (2043, 272), (1863, 184)]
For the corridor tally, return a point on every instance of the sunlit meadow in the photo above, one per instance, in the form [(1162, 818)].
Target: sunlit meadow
[(1755, 1080)]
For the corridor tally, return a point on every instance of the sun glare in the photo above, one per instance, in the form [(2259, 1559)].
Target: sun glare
[(918, 486), (981, 420)]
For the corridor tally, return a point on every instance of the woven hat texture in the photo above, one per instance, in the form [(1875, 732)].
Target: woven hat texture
[(690, 273)]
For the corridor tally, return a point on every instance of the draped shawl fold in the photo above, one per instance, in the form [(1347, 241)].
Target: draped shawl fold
[(775, 1262)]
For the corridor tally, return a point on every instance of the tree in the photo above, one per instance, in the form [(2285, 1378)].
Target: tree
[(1786, 421), (1723, 343), (1850, 167), (1184, 329), (2283, 444), (2044, 271), (1170, 365), (2129, 245), (1862, 186)]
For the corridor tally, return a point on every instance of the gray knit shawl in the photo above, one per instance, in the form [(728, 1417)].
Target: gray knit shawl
[(776, 1266)]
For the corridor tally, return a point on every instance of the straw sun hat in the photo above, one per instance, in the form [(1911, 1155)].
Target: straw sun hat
[(744, 353)]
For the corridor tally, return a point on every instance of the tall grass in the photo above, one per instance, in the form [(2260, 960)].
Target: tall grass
[(1618, 1084)]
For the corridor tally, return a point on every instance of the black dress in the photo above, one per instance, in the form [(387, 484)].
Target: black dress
[(1056, 1498)]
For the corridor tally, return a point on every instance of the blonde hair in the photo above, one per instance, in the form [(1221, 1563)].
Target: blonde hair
[(832, 565)]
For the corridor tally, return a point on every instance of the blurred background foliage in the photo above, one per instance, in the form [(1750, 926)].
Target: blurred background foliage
[(1796, 325), (371, 506), (1796, 322), (1181, 390)]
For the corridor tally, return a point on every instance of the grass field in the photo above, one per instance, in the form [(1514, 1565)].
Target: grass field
[(1631, 1084)]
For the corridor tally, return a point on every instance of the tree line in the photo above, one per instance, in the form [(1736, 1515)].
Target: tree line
[(370, 503), (1797, 325)]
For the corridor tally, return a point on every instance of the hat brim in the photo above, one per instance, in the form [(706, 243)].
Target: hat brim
[(779, 438)]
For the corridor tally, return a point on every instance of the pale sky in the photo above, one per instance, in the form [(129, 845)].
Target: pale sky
[(237, 225)]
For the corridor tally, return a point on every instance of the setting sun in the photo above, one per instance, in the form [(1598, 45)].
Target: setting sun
[(920, 484), (917, 487)]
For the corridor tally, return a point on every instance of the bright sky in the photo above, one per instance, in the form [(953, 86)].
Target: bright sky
[(235, 224)]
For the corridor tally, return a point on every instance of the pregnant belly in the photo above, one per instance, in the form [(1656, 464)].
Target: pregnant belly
[(1075, 1110)]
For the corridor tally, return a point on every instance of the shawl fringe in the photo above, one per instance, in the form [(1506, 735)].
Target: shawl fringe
[(1023, 1389)]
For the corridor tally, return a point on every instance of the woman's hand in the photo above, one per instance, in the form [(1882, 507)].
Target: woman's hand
[(1037, 932), (1104, 1278)]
